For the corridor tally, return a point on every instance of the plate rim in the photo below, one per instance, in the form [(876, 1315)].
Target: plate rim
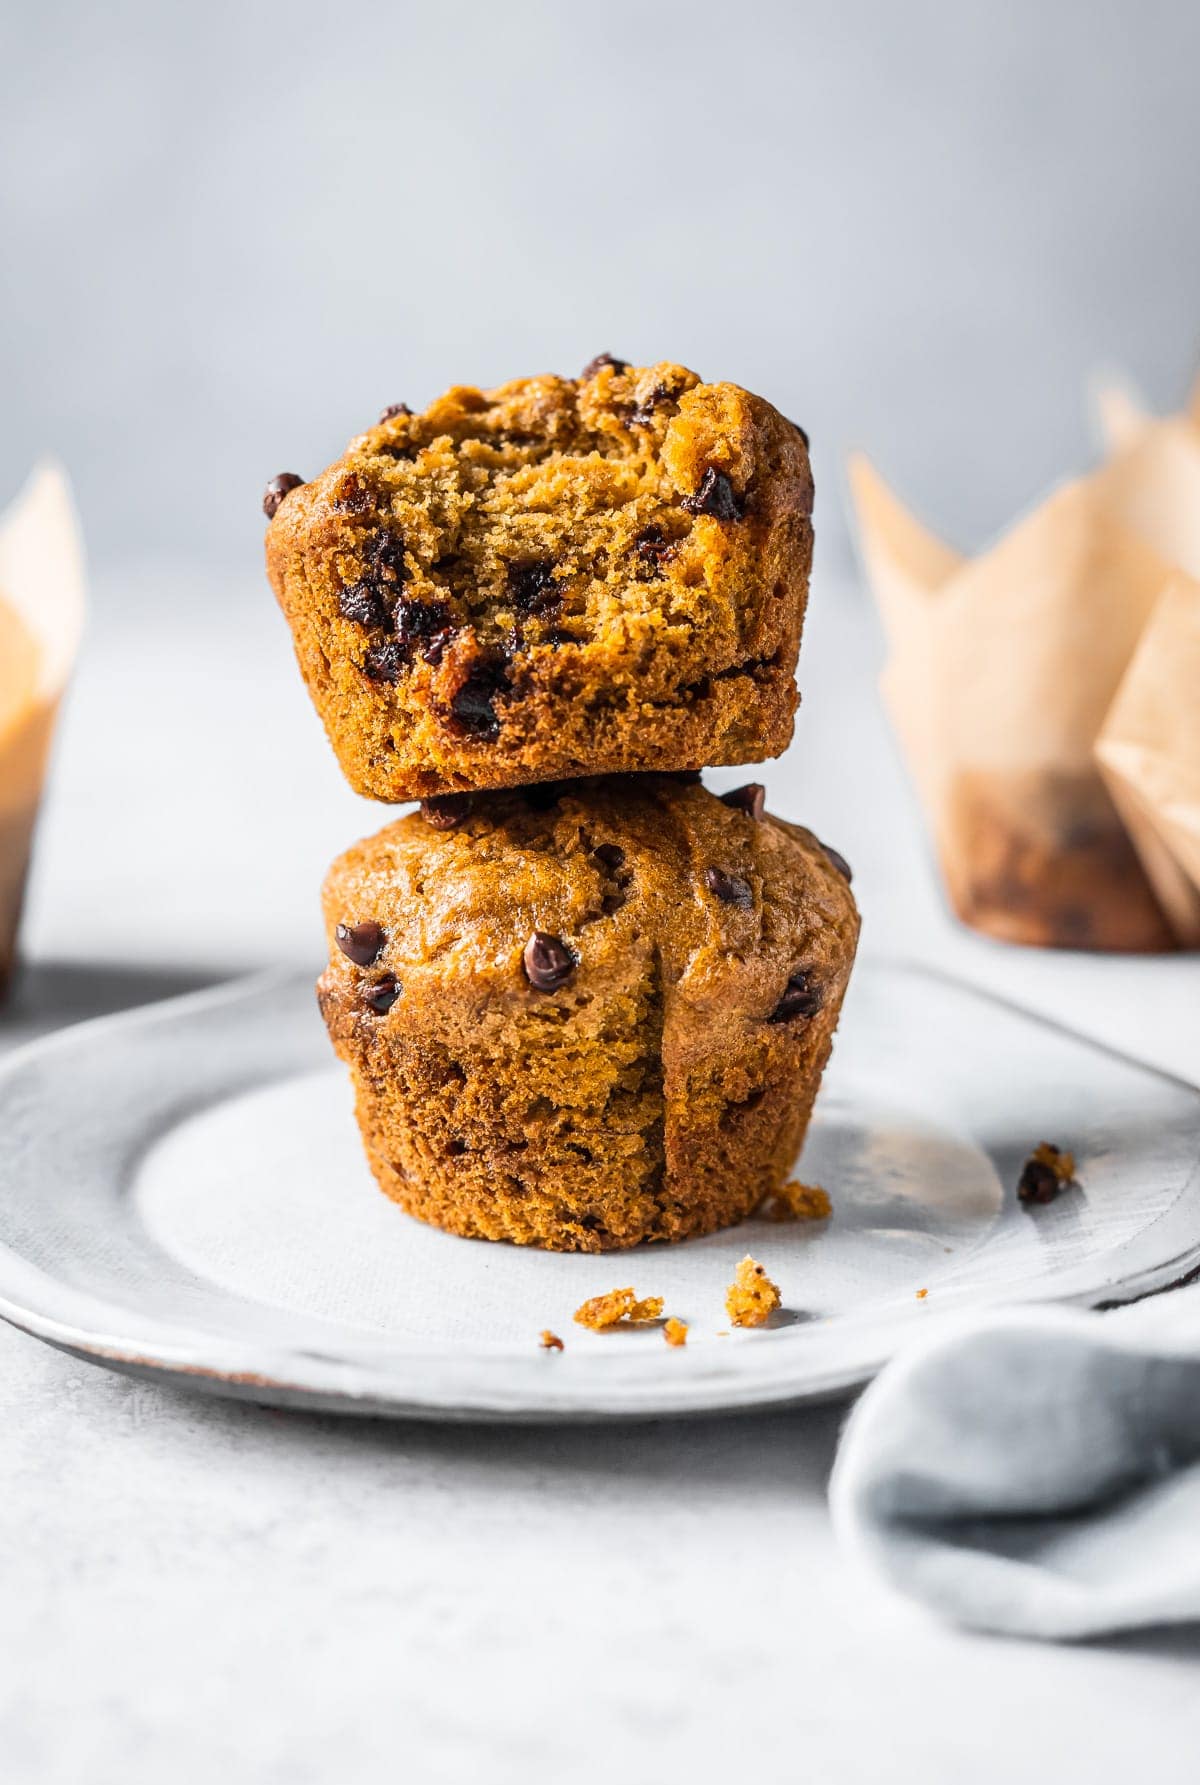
[(527, 1388)]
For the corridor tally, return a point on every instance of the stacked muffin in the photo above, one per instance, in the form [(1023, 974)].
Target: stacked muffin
[(584, 1001)]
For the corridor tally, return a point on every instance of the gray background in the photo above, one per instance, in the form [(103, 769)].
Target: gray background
[(230, 233)]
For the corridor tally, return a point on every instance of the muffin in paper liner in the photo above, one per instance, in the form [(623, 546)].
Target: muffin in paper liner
[(1001, 671), (41, 617), (1149, 754)]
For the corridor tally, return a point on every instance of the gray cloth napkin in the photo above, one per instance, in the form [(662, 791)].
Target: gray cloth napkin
[(1035, 1472)]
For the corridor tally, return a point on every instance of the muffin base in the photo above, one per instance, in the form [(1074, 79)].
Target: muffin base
[(661, 1087), (620, 1159)]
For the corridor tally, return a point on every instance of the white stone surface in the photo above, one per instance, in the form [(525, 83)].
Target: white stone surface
[(196, 1590)]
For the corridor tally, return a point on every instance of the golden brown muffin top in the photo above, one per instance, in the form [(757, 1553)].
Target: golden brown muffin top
[(549, 893), (551, 511)]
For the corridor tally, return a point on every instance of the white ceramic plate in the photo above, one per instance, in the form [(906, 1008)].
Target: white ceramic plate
[(183, 1194)]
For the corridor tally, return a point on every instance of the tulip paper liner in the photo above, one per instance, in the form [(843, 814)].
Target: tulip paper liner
[(1044, 693), (41, 617), (1149, 754)]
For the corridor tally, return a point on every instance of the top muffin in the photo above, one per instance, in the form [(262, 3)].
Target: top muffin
[(560, 577)]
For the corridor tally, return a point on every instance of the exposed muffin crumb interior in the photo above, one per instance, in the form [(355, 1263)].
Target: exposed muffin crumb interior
[(751, 1298), (617, 1306), (794, 1201), (511, 583)]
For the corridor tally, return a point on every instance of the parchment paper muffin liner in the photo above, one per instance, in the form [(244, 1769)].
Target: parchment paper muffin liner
[(42, 604), (1149, 747), (1149, 754), (1002, 669)]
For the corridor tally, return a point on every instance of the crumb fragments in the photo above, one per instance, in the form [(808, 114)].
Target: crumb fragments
[(921, 1294), (796, 1202), (550, 1341), (675, 1332), (1047, 1170), (603, 1311), (752, 1296)]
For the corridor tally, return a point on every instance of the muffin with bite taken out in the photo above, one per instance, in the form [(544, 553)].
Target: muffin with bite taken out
[(560, 577)]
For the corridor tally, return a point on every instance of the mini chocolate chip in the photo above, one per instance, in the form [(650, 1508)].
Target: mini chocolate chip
[(445, 810), (386, 662), (728, 888), (277, 489), (801, 998), (362, 603), (359, 942), (435, 650), (395, 409), (601, 360), (420, 619), (610, 854), (801, 431), (716, 496), (353, 496), (643, 413), (531, 586), (383, 994), (384, 553), (1038, 1183), (654, 548), (839, 861), (748, 799), (473, 705), (651, 542), (548, 961), (1046, 1172)]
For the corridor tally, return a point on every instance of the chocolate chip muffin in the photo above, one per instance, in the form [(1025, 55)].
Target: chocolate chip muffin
[(560, 577), (589, 1014)]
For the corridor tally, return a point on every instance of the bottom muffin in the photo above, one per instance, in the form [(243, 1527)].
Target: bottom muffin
[(586, 1014)]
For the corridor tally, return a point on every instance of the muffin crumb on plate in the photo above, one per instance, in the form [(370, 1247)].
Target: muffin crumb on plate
[(1047, 1170), (752, 1297), (794, 1201), (618, 1305)]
